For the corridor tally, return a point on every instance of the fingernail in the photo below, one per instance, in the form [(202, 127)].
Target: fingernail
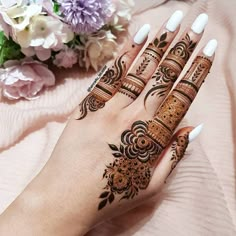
[(174, 21), (195, 132), (200, 23), (210, 48), (142, 34)]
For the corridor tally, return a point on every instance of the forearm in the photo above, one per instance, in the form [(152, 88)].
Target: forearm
[(42, 209)]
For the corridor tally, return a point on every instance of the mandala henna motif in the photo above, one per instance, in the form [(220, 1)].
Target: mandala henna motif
[(171, 67), (135, 81), (137, 143), (104, 89), (143, 143)]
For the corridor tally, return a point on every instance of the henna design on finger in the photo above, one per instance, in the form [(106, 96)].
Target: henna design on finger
[(171, 67), (135, 81), (104, 89), (178, 149), (174, 108)]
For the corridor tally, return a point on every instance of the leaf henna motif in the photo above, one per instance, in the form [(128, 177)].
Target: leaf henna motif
[(143, 66)]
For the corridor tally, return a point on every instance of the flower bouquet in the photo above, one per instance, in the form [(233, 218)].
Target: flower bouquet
[(35, 34)]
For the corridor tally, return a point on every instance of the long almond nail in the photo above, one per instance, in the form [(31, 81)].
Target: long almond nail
[(200, 23), (210, 48), (142, 34), (174, 21), (195, 132)]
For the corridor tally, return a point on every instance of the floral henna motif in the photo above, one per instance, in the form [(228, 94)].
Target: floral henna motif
[(115, 73), (90, 103), (135, 81), (171, 67), (104, 89), (184, 48), (137, 143), (131, 169), (178, 149)]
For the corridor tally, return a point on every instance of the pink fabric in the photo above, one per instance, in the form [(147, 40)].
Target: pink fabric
[(199, 198)]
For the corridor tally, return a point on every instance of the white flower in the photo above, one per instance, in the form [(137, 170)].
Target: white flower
[(99, 49), (123, 13), (66, 58), (18, 16), (45, 33)]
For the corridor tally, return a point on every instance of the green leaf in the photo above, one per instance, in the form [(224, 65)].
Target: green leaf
[(9, 50), (56, 7), (2, 38)]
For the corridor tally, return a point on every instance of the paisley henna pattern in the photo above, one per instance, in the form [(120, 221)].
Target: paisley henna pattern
[(90, 103), (178, 149), (104, 89), (171, 67), (135, 81), (143, 143)]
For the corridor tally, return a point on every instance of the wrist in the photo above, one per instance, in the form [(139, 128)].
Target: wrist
[(37, 214)]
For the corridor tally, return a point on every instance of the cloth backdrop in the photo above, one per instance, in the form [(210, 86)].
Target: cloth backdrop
[(199, 197)]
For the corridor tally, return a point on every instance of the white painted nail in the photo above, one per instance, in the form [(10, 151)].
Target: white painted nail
[(195, 132), (200, 23), (142, 34), (174, 21), (210, 48)]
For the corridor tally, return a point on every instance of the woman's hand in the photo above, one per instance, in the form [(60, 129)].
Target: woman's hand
[(118, 147)]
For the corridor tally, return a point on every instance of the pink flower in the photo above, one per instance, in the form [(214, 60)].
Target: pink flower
[(66, 58), (24, 79)]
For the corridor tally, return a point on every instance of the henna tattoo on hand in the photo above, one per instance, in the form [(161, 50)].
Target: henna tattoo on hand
[(104, 89), (171, 67), (143, 143), (135, 81)]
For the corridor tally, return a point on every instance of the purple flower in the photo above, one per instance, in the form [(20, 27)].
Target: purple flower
[(86, 16)]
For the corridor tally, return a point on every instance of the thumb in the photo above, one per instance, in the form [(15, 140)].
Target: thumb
[(173, 154)]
